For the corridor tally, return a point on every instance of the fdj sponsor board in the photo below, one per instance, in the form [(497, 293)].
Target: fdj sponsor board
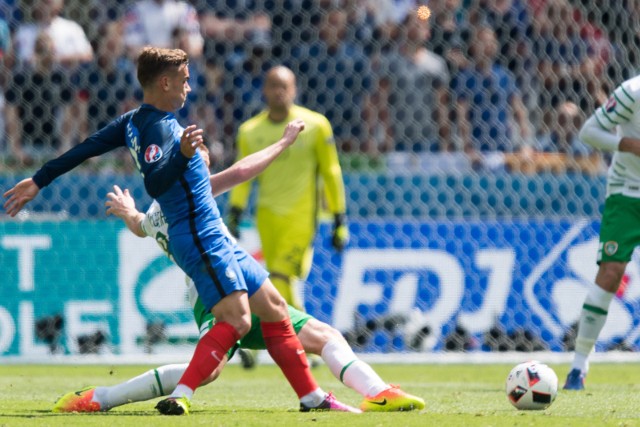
[(400, 277), (409, 285)]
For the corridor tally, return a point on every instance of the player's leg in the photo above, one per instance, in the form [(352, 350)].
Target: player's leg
[(320, 338), (619, 236), (222, 288), (593, 316), (233, 321), (286, 350), (154, 383), (287, 249)]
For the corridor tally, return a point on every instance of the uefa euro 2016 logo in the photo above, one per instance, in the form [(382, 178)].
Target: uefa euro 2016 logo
[(152, 154)]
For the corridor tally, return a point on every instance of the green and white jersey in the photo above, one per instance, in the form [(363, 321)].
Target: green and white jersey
[(155, 225), (621, 113)]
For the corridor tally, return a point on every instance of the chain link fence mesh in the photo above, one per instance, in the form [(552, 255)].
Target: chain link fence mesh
[(457, 136)]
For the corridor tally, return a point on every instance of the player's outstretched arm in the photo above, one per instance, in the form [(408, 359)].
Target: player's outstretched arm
[(106, 139), (122, 205), (251, 166), (22, 193)]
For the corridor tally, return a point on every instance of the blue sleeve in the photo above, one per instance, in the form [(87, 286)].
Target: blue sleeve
[(165, 168), (106, 139)]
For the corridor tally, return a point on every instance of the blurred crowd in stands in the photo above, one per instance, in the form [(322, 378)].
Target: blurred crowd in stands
[(480, 84)]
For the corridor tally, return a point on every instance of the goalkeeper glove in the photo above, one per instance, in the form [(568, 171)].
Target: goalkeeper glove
[(340, 235), (233, 221)]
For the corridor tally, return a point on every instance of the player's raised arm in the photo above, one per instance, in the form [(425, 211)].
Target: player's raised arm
[(249, 167), (122, 205)]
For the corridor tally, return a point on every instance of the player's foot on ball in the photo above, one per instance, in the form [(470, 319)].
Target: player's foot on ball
[(575, 380), (247, 358), (174, 406), (392, 399), (330, 403), (77, 401)]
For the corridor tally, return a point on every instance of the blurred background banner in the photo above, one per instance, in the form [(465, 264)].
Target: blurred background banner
[(406, 286), (91, 287)]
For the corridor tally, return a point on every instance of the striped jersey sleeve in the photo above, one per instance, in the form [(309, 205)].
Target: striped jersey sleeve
[(621, 106)]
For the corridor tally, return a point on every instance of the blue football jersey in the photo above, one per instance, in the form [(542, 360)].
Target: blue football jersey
[(180, 185)]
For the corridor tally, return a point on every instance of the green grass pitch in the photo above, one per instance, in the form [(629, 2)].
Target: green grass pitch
[(456, 395)]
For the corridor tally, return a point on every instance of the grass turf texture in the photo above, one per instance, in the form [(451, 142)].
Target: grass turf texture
[(456, 395)]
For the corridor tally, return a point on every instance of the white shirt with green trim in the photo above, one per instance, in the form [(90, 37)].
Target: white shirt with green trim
[(617, 118), (155, 225)]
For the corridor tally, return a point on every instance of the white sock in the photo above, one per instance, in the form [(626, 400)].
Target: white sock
[(153, 383), (313, 399), (182, 390), (592, 320), (350, 370)]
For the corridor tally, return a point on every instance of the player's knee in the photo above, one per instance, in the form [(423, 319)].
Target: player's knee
[(329, 333), (276, 301), (242, 323), (609, 275), (315, 335)]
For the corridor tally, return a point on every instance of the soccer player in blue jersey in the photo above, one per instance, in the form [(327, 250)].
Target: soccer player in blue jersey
[(230, 282)]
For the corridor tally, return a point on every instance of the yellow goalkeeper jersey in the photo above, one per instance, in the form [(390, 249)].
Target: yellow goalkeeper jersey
[(291, 184)]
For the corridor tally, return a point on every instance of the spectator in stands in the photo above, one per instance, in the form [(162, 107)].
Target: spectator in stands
[(486, 97), (93, 15), (5, 50), (5, 40), (449, 25), (154, 22), (511, 20), (391, 13), (108, 85), (560, 132), (568, 68), (361, 28), (39, 121), (409, 105), (107, 88), (557, 148), (230, 24), (200, 106), (334, 78), (10, 12), (512, 23), (69, 42), (244, 73)]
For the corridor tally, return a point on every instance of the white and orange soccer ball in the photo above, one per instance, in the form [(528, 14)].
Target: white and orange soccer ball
[(532, 385)]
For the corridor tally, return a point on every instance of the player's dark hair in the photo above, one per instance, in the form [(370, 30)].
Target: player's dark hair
[(155, 61)]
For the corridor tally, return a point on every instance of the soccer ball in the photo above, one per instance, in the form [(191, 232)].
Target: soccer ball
[(532, 385)]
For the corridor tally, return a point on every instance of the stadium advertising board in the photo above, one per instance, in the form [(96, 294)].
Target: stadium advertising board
[(400, 286)]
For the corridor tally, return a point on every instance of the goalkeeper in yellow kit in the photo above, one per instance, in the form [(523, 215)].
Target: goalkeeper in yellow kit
[(291, 190)]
